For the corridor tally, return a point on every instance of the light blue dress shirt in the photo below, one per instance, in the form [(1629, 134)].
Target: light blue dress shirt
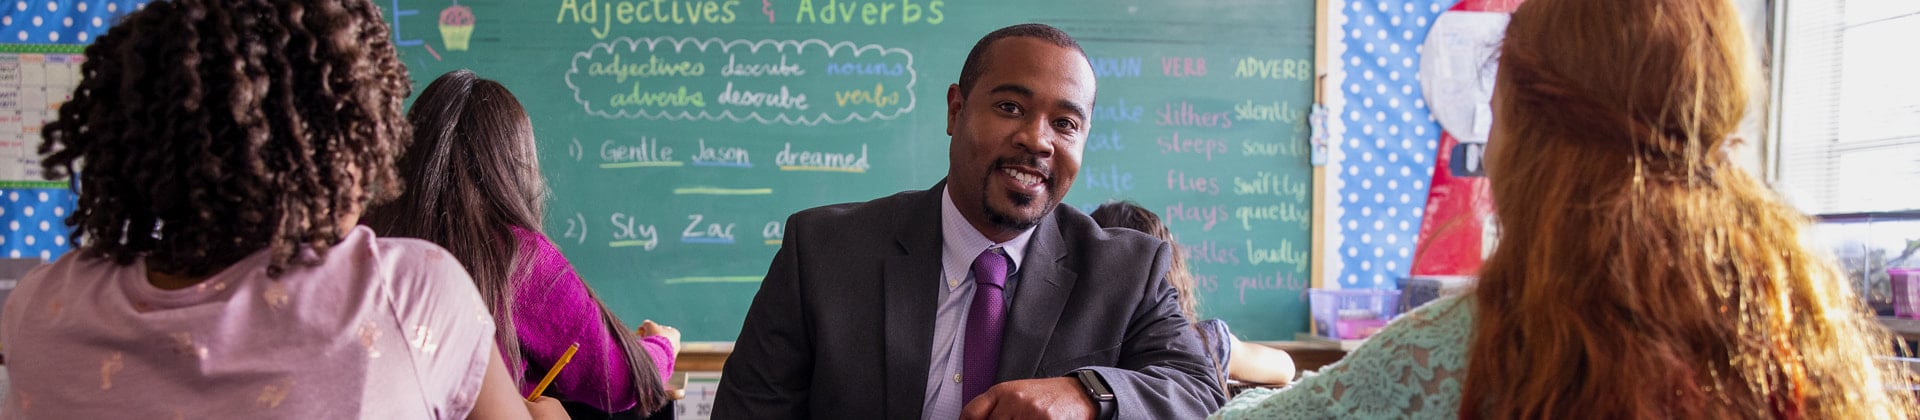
[(959, 245)]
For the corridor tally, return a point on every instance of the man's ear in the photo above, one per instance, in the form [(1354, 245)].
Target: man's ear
[(955, 101)]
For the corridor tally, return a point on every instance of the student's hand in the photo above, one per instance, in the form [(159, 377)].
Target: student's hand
[(545, 408), (648, 328), (1049, 398)]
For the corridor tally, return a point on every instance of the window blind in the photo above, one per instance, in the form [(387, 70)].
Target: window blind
[(1848, 126)]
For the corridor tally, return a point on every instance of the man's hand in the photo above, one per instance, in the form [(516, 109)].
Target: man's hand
[(1049, 398)]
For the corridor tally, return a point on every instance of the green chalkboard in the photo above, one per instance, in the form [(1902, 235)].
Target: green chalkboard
[(677, 135)]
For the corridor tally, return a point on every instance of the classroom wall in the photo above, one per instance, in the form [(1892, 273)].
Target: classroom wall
[(40, 45), (1385, 138)]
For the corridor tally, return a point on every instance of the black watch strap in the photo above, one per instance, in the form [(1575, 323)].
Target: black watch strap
[(1098, 391)]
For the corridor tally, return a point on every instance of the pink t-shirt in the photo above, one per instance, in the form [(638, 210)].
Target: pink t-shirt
[(382, 328)]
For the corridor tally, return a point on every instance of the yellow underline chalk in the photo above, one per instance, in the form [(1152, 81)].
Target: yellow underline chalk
[(824, 169), (721, 191), (722, 279), (640, 165)]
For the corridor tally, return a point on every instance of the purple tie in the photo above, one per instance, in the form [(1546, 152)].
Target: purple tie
[(984, 319)]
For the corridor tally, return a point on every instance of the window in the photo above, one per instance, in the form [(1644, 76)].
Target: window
[(1848, 116)]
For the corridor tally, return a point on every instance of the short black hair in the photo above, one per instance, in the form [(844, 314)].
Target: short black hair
[(975, 65)]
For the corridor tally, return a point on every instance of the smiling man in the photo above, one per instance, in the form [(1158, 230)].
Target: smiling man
[(981, 297)]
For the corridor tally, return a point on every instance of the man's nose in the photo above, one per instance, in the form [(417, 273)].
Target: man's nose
[(1034, 137)]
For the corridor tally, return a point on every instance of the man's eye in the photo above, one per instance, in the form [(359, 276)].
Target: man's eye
[(1008, 107), (1065, 124)]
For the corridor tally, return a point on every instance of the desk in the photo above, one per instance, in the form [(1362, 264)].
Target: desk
[(711, 356), (706, 356), (1906, 329), (1309, 355)]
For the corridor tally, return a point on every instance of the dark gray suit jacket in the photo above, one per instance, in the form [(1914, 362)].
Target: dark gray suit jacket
[(842, 327)]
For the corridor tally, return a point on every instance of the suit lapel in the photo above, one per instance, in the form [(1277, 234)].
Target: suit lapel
[(1038, 300), (911, 299)]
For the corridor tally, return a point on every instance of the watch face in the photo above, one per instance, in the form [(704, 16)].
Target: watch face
[(1095, 385)]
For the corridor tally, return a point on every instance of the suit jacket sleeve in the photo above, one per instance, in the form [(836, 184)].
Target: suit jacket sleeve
[(1162, 372), (771, 367)]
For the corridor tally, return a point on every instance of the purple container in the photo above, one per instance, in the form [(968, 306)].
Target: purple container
[(1906, 292), (1352, 314)]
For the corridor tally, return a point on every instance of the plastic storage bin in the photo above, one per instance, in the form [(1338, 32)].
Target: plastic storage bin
[(1906, 292), (1352, 314)]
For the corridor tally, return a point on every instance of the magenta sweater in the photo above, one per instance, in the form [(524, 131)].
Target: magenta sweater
[(552, 310)]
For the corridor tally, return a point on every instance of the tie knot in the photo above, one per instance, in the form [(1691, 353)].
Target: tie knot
[(990, 268)]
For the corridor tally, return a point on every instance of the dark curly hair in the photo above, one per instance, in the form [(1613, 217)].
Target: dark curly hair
[(203, 131)]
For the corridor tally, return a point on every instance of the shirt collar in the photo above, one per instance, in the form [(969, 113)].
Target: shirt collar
[(961, 243)]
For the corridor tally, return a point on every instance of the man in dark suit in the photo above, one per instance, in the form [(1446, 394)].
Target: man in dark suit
[(981, 297)]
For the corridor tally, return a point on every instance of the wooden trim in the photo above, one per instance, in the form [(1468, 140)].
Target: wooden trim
[(1316, 266), (1306, 355)]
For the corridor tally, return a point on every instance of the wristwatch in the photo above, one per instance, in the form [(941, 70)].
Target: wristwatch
[(1097, 391)]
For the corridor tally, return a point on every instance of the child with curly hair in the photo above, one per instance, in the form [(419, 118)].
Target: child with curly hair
[(221, 151)]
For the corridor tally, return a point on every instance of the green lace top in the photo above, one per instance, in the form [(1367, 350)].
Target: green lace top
[(1413, 369)]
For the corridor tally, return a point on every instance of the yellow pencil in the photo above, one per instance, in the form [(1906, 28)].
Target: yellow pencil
[(551, 373)]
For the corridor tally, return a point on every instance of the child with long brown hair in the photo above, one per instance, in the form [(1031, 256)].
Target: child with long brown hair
[(473, 185), (1232, 358), (1640, 272)]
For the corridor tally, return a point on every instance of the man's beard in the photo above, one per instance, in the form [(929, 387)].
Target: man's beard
[(1010, 221)]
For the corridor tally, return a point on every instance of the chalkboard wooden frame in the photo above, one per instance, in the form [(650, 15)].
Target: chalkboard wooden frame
[(635, 166)]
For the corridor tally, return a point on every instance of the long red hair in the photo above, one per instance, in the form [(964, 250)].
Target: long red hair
[(1640, 273)]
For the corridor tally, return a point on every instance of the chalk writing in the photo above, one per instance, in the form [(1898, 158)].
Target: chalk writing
[(879, 97), (773, 232), (734, 69), (1278, 281), (629, 232), (653, 67), (1286, 253), (1293, 148), (1109, 179), (1268, 183), (1110, 67), (592, 13), (1179, 181), (1183, 66), (657, 99), (1204, 147), (1212, 253), (648, 153), (868, 13), (1285, 212), (1118, 111), (670, 78), (1254, 68), (1275, 111), (782, 99), (576, 228), (1207, 216), (706, 233), (790, 160), (1099, 141), (721, 156), (721, 191), (865, 69), (1206, 282), (1183, 115)]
